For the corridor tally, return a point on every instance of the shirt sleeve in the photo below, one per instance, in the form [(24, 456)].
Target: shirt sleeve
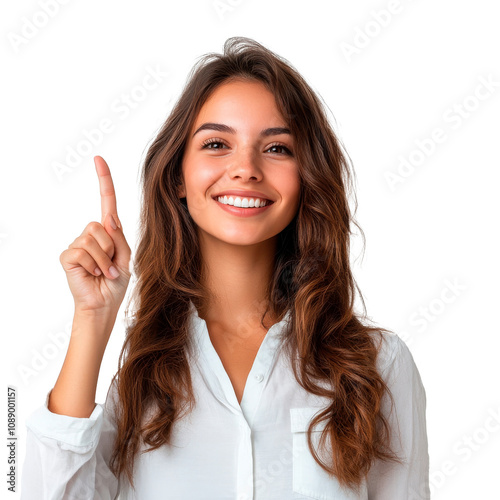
[(67, 457), (407, 421)]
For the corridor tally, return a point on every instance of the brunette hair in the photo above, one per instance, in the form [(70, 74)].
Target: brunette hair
[(336, 351)]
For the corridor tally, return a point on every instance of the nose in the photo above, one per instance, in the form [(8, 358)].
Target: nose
[(245, 164)]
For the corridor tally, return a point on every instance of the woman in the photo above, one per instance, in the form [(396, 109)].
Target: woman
[(245, 372)]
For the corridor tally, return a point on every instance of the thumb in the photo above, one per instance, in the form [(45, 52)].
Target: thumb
[(122, 250)]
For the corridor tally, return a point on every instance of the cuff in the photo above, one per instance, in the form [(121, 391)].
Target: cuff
[(74, 431)]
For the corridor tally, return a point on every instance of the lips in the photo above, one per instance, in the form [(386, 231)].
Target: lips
[(244, 194), (244, 211)]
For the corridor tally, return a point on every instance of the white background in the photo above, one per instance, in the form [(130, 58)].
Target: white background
[(389, 79)]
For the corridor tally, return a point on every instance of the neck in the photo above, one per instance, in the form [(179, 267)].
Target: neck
[(238, 277)]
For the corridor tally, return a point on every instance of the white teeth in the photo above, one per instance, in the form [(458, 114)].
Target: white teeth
[(242, 202)]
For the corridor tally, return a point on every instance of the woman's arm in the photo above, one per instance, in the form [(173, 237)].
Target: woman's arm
[(74, 392), (407, 420), (70, 438), (68, 457)]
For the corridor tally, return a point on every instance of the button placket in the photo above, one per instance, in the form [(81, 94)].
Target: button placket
[(261, 369), (220, 379), (244, 481)]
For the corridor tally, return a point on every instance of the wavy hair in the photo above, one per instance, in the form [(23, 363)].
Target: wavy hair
[(335, 349)]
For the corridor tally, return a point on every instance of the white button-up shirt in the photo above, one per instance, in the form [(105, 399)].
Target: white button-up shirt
[(226, 450)]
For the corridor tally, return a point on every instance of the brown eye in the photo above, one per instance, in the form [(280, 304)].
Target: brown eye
[(213, 144), (277, 147)]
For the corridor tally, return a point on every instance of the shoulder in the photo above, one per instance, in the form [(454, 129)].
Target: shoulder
[(394, 356)]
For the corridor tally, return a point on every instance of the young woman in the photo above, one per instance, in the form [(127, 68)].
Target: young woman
[(245, 372)]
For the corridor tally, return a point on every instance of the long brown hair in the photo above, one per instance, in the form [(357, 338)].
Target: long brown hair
[(312, 278)]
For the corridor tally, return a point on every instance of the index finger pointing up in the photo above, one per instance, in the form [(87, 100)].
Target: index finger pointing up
[(106, 188)]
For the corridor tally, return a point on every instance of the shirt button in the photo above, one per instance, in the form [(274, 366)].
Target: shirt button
[(259, 377)]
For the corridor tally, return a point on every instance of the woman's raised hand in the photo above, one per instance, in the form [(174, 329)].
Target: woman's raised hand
[(97, 262)]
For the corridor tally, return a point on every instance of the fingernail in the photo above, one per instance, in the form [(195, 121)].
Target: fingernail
[(112, 222), (114, 272)]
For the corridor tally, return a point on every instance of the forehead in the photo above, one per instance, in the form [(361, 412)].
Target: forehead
[(240, 99), (239, 86)]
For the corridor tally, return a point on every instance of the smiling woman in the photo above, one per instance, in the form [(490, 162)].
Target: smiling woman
[(245, 372), (250, 156)]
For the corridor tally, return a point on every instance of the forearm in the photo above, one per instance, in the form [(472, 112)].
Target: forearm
[(75, 388)]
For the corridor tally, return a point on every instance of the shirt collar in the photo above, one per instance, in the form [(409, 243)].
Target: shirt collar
[(215, 375), (194, 313), (199, 326)]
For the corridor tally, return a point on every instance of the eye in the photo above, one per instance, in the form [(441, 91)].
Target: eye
[(282, 147), (213, 143)]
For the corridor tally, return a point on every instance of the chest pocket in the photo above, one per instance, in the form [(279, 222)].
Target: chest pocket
[(309, 479)]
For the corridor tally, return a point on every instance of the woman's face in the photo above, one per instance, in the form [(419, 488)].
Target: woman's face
[(233, 147)]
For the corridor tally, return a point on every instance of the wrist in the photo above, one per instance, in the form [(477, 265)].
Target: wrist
[(93, 322)]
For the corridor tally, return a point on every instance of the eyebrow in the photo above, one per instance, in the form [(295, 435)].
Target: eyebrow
[(220, 127)]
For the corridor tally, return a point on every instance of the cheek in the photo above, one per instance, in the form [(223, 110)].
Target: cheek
[(293, 195), (200, 177), (290, 186)]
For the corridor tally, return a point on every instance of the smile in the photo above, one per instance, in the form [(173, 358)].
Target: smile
[(242, 211), (243, 202)]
